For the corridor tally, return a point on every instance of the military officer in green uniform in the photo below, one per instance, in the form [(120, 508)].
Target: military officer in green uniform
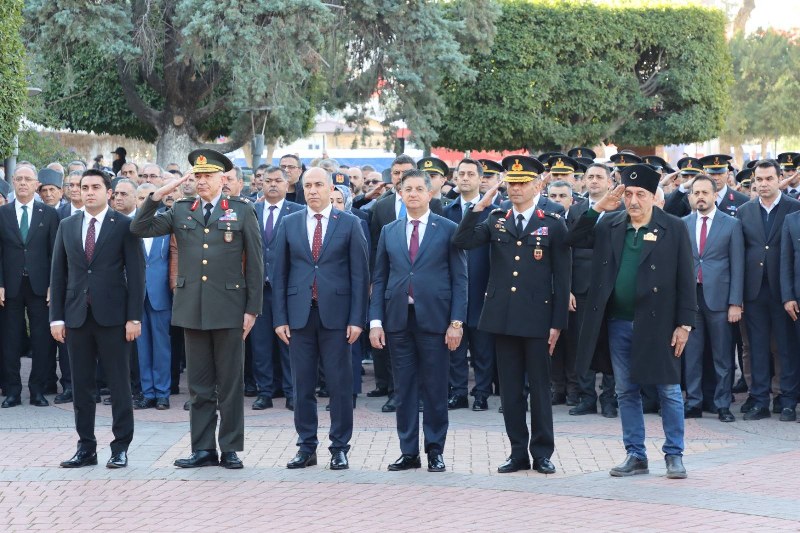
[(217, 297)]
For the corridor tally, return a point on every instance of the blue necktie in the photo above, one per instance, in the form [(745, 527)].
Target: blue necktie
[(402, 210), (270, 224)]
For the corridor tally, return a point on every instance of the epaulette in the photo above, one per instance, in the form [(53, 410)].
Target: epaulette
[(498, 211), (554, 215), (186, 199), (240, 199)]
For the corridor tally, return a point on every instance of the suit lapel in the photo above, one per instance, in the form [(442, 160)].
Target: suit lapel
[(35, 220), (216, 213), (304, 229), (716, 227), (333, 223), (779, 211), (692, 226), (399, 236), (429, 234), (11, 221), (108, 227), (76, 237)]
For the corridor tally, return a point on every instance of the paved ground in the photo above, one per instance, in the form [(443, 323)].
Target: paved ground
[(743, 476)]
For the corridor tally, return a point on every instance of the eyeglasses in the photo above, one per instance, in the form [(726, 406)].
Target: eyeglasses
[(24, 179), (289, 167)]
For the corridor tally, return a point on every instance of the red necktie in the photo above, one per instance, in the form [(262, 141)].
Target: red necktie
[(316, 248), (702, 247), (413, 248), (90, 240)]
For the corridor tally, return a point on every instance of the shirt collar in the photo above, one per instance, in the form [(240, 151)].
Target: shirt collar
[(721, 193), (710, 214), (19, 205), (100, 217), (326, 213), (528, 213), (473, 201), (422, 220), (214, 201), (774, 204), (278, 205)]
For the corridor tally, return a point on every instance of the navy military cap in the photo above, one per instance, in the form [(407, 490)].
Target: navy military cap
[(433, 165), (206, 161), (715, 163), (579, 152), (522, 168), (544, 158), (655, 161), (340, 178), (48, 176), (559, 164), (491, 167), (585, 161), (744, 174), (690, 166), (641, 175), (752, 163), (789, 160), (622, 160)]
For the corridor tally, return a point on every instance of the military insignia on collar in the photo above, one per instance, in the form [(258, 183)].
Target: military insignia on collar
[(540, 213)]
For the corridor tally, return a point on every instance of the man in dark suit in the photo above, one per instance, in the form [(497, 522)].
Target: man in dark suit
[(791, 177), (415, 252), (790, 274), (480, 344), (72, 184), (217, 297), (765, 317), (526, 305), (643, 291), (27, 235), (387, 209), (97, 292), (265, 343), (320, 280), (718, 253)]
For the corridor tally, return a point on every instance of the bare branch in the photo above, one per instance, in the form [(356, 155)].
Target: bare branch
[(146, 114)]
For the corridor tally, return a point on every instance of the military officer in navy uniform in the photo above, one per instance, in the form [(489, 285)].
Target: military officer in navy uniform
[(526, 306), (218, 296), (791, 177)]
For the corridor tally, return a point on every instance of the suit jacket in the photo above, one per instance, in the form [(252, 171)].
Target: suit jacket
[(438, 276), (156, 273), (722, 260), (545, 204), (677, 202), (262, 210), (666, 294), (761, 250), (383, 213), (32, 256), (790, 258), (477, 264), (528, 289), (113, 281), (581, 257), (220, 268), (64, 211), (341, 272)]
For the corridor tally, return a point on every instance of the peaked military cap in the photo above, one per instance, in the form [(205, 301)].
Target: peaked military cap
[(744, 174), (48, 176), (544, 158), (654, 161), (205, 161), (559, 164), (433, 165), (522, 168), (585, 161), (752, 163), (622, 160), (690, 166), (491, 167), (641, 175), (580, 151), (715, 163), (789, 160)]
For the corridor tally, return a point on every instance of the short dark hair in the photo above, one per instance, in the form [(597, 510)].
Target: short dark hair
[(705, 177), (600, 165), (292, 156), (98, 173), (414, 173), (271, 169), (471, 161), (559, 183), (769, 163), (403, 159), (262, 166)]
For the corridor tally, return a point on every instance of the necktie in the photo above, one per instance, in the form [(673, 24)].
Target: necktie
[(413, 248), (520, 224), (402, 210), (23, 223), (208, 207), (316, 247), (793, 192), (90, 240), (702, 246), (270, 224)]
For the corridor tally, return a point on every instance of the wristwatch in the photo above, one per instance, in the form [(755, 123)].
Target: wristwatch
[(456, 324), (687, 328)]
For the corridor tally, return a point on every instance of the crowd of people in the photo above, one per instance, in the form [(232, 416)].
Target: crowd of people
[(626, 285)]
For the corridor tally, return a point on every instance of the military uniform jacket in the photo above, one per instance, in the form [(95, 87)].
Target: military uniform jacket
[(529, 277), (666, 292), (220, 265)]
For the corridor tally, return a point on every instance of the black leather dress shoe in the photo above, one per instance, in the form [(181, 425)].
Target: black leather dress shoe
[(692, 412), (250, 392), (378, 393), (199, 458), (513, 465), (302, 460), (436, 462), (405, 462), (174, 389), (558, 398), (748, 404), (290, 404), (187, 405), (788, 414), (64, 397), (675, 468), (757, 413), (725, 415), (777, 405), (39, 400), (339, 460), (80, 459), (262, 402), (543, 465), (389, 406), (740, 387), (631, 466), (118, 460), (585, 407), (10, 401), (144, 403), (573, 400), (609, 410), (480, 404), (162, 404), (457, 401), (230, 460)]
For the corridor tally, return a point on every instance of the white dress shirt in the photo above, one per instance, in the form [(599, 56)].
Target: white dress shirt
[(769, 208), (721, 194), (278, 207), (464, 203), (73, 209), (699, 225), (398, 202), (311, 223), (18, 207), (148, 244), (99, 217), (527, 214)]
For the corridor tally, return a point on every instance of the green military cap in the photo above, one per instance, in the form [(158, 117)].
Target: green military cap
[(544, 158), (491, 167), (206, 161), (715, 164), (625, 159), (340, 178), (690, 166), (654, 161), (559, 164), (744, 174), (433, 165), (522, 168), (580, 151)]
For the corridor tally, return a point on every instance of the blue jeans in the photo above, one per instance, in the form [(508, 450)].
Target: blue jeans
[(620, 336)]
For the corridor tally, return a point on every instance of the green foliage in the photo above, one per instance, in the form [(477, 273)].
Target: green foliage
[(565, 73), (12, 73), (41, 149), (766, 88)]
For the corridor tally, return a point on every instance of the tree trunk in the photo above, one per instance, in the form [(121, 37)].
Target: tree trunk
[(742, 16), (173, 146), (764, 148)]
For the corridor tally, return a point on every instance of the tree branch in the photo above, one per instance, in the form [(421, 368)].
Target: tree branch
[(146, 114), (152, 80), (206, 111)]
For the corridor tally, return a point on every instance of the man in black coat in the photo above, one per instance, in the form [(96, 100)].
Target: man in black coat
[(27, 233), (643, 291)]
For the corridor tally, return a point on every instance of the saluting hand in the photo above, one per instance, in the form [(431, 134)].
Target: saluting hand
[(669, 177), (486, 201), (171, 186), (611, 200)]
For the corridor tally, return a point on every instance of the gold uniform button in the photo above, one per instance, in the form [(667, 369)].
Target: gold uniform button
[(205, 245), (205, 261), (513, 289), (237, 286), (516, 258), (206, 230), (204, 278), (516, 274)]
